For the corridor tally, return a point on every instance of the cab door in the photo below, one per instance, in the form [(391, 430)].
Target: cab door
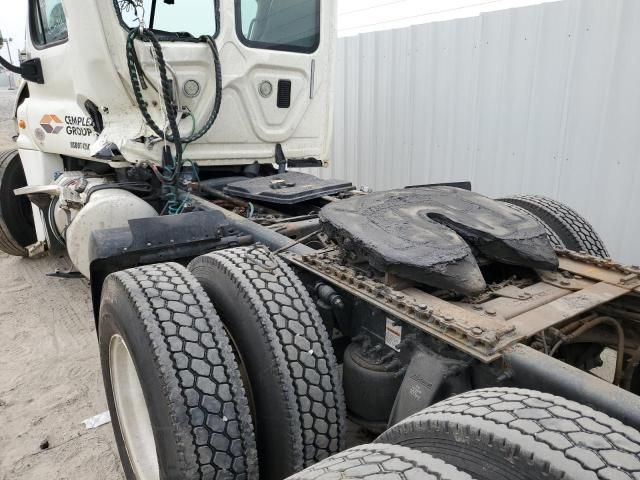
[(55, 122), (283, 74)]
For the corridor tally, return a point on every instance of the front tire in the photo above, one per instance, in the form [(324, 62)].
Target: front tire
[(17, 230), (177, 403)]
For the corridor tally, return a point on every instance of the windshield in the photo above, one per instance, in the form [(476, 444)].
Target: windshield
[(196, 17), (292, 25)]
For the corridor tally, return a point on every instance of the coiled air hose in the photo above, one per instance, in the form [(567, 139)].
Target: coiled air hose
[(167, 95)]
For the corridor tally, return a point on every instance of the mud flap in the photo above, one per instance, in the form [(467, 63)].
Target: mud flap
[(430, 378), (158, 239)]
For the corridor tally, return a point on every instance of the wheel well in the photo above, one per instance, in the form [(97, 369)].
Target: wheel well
[(22, 96)]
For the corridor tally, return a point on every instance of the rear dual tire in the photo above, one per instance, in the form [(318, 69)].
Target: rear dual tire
[(285, 348), (177, 402), (185, 388), (382, 461), (567, 230), (565, 227), (515, 434)]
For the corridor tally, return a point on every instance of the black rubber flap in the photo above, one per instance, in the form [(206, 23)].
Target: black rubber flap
[(425, 234), (286, 188), (170, 231), (176, 229)]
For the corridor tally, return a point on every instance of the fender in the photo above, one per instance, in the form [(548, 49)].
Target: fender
[(21, 96), (171, 238)]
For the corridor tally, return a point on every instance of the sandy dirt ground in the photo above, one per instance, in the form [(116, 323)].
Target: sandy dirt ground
[(49, 369), (50, 378)]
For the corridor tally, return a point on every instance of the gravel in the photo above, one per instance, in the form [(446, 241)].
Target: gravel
[(50, 377)]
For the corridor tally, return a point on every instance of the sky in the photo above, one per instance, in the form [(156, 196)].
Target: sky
[(13, 14), (354, 16)]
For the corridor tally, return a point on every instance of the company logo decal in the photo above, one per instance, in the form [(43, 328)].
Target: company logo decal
[(51, 124)]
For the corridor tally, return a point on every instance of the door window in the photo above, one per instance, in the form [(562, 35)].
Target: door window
[(291, 25), (48, 22), (195, 17)]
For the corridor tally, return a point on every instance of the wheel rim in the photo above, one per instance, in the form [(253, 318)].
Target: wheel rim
[(133, 415)]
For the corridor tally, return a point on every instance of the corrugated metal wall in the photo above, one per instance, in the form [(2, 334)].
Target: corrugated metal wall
[(542, 99), (358, 16)]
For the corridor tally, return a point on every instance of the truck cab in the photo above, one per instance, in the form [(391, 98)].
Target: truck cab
[(276, 79)]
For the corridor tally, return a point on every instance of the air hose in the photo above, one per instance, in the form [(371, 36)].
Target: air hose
[(167, 96)]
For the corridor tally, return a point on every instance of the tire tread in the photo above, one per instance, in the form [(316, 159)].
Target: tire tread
[(391, 462), (599, 444), (300, 347), (8, 243), (572, 230), (182, 327)]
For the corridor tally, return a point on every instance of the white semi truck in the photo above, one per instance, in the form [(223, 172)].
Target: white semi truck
[(245, 310)]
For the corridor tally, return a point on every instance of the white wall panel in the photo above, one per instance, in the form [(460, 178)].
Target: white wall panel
[(542, 99), (358, 16)]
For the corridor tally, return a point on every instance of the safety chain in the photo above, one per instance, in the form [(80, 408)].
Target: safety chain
[(448, 326), (605, 263), (166, 85)]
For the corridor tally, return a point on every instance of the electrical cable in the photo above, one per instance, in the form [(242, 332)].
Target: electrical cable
[(142, 104), (167, 95), (172, 166)]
